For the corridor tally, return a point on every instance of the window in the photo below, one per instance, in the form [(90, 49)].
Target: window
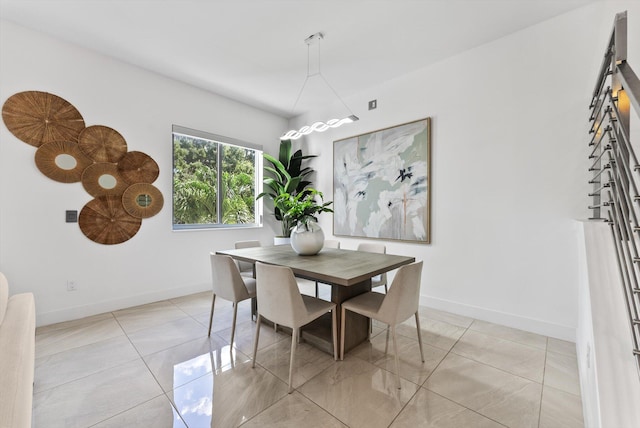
[(215, 181)]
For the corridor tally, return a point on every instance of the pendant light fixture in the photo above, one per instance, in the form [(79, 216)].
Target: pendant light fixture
[(318, 126)]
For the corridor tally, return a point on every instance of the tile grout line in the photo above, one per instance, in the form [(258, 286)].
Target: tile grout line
[(460, 404), (151, 373), (110, 368), (471, 410), (259, 413), (325, 410), (498, 368), (546, 338), (74, 349), (544, 372), (495, 336), (430, 374), (503, 370)]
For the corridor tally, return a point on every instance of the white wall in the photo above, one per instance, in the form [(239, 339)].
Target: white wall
[(39, 252), (509, 166)]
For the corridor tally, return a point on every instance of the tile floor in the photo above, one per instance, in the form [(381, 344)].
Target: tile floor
[(153, 366)]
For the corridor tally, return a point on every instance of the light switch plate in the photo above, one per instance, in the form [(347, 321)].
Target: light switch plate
[(71, 216)]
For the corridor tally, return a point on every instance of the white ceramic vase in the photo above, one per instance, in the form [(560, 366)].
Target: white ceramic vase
[(307, 239)]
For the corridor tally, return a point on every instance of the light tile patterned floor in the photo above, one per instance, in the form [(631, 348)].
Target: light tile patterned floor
[(153, 366)]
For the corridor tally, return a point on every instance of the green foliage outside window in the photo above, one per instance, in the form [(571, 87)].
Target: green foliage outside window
[(205, 170)]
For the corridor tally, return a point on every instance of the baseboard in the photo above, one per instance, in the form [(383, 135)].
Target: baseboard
[(77, 312), (504, 318)]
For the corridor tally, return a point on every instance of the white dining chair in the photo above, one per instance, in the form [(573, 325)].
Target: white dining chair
[(280, 301), (328, 243), (230, 285), (392, 308), (370, 247), (246, 268)]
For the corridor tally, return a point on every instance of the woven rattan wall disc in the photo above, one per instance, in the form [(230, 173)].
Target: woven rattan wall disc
[(38, 118), (102, 144), (142, 200), (138, 167), (104, 220), (47, 154), (103, 179)]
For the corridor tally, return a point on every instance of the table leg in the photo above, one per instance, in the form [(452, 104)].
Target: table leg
[(356, 326), (318, 333)]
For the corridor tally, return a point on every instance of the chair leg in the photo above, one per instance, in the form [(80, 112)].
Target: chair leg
[(213, 302), (395, 356), (386, 343), (294, 334), (316, 289), (419, 337), (334, 323), (256, 336), (386, 290), (342, 328), (233, 325)]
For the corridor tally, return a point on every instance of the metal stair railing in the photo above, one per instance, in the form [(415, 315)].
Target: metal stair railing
[(614, 166)]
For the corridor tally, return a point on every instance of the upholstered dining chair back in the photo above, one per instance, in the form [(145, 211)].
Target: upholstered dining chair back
[(245, 267), (331, 243), (279, 298), (227, 282), (372, 247), (401, 300)]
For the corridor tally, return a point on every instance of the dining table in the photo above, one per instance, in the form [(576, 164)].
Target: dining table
[(349, 274)]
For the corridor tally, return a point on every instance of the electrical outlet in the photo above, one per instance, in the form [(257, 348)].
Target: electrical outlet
[(72, 285), (373, 104)]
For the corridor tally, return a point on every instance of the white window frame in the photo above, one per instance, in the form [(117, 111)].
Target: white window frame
[(220, 139)]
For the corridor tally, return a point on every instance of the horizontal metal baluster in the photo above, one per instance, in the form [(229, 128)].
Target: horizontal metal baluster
[(602, 169), (596, 146), (593, 165), (599, 123), (599, 103), (599, 189)]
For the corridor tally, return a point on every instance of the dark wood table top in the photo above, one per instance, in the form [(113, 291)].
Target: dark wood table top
[(331, 266)]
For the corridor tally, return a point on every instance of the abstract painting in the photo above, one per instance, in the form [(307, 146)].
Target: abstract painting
[(382, 185)]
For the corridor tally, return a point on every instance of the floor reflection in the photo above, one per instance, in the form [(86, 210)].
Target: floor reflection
[(229, 392)]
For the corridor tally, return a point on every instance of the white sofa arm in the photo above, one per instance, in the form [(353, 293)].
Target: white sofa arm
[(17, 359)]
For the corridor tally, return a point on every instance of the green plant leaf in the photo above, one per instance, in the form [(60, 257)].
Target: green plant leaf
[(285, 153)]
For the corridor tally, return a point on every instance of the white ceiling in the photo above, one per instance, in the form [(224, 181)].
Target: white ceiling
[(254, 51)]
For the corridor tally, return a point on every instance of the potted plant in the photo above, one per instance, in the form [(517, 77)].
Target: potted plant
[(286, 175), (302, 210)]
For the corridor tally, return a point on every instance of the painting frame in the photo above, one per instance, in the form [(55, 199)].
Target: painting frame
[(382, 184)]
